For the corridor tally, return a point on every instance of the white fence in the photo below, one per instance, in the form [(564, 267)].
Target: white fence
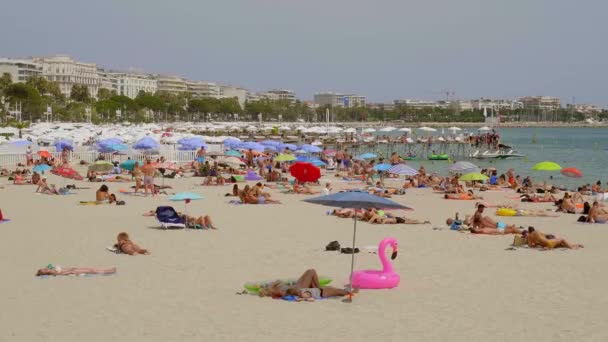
[(10, 160)]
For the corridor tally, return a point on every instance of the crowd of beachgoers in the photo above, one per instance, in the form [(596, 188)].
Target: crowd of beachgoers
[(254, 177)]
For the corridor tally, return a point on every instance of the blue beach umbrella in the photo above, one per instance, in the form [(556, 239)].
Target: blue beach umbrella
[(129, 164), (463, 167), (290, 147), (146, 143), (20, 143), (41, 168), (402, 169), (310, 148), (382, 167), (251, 145), (61, 144), (355, 200), (186, 197), (233, 153), (367, 156)]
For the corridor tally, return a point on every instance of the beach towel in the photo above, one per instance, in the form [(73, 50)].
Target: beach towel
[(76, 275), (90, 203), (235, 202), (4, 220)]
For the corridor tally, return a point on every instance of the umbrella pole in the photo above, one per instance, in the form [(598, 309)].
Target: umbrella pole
[(352, 258)]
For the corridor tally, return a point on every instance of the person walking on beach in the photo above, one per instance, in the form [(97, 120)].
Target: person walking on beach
[(148, 171), (339, 158)]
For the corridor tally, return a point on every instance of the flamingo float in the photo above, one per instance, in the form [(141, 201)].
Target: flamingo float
[(379, 279)]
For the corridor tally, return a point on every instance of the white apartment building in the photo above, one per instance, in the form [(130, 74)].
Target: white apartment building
[(19, 69), (130, 85), (339, 100), (227, 91), (203, 89), (482, 103), (411, 103), (67, 72), (540, 102), (171, 84), (279, 95)]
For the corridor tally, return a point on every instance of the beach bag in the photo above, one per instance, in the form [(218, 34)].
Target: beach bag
[(333, 246), (120, 203), (519, 240), (582, 218)]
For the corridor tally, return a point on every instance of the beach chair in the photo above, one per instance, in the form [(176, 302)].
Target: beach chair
[(168, 218)]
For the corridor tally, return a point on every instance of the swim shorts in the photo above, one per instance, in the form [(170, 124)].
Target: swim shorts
[(314, 292), (501, 225), (148, 180)]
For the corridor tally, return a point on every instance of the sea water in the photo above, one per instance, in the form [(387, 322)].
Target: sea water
[(583, 148)]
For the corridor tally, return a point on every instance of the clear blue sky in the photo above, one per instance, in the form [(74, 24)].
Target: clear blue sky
[(385, 49)]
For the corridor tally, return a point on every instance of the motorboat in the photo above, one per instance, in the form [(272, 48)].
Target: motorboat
[(499, 154)]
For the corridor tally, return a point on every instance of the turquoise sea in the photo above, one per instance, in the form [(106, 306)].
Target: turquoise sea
[(583, 148)]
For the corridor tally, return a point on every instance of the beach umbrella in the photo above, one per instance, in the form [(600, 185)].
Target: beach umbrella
[(427, 129), (368, 130), (44, 154), (233, 153), (284, 158), (484, 129), (330, 152), (20, 143), (129, 164), (463, 167), (405, 129), (367, 156), (290, 147), (305, 172), (146, 143), (356, 200), (402, 169), (572, 172), (251, 145), (186, 197), (473, 176), (273, 143), (233, 161), (350, 130), (382, 167), (101, 166), (310, 148), (66, 172), (61, 144), (41, 168), (547, 166)]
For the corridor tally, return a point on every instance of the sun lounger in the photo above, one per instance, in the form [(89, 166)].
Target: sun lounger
[(168, 218)]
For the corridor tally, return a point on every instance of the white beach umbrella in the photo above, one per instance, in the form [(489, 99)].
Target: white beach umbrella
[(388, 129), (368, 130), (300, 128), (350, 130), (454, 128), (285, 128), (405, 129), (485, 128), (427, 129)]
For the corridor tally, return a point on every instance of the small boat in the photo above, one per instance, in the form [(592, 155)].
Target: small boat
[(409, 158), (500, 154), (439, 157)]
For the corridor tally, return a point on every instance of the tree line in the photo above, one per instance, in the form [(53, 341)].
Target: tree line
[(37, 94)]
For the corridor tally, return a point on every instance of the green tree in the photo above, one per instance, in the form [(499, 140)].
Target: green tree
[(105, 94), (45, 88), (5, 81), (27, 96), (80, 93)]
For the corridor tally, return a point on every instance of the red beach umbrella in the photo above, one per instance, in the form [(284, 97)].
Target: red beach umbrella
[(305, 172), (44, 154), (572, 172)]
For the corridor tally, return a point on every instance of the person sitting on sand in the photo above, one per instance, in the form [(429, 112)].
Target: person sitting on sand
[(57, 270), (43, 187), (567, 205), (19, 179), (534, 238), (248, 198), (485, 225), (307, 288), (35, 178), (597, 214), (102, 194), (235, 191), (127, 246)]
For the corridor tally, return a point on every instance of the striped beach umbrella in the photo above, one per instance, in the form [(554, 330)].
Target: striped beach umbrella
[(402, 169)]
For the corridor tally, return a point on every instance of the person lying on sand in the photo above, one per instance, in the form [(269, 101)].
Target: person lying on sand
[(389, 219), (485, 225), (204, 221), (127, 246), (307, 288), (457, 224), (466, 196), (57, 270), (534, 238), (303, 189)]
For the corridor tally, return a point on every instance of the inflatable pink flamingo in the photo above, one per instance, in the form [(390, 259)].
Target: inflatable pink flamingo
[(379, 279)]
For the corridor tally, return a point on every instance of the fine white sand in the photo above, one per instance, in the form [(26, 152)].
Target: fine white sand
[(454, 286)]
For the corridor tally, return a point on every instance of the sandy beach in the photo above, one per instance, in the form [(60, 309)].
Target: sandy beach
[(454, 286)]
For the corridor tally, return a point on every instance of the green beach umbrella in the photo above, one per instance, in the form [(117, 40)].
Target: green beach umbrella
[(101, 166), (547, 166), (473, 176), (284, 158)]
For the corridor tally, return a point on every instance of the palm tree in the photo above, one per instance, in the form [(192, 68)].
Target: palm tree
[(20, 126)]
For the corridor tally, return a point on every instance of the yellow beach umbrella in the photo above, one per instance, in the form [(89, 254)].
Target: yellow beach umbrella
[(284, 157), (473, 176), (547, 166)]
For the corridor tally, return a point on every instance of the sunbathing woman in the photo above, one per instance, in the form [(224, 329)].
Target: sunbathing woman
[(535, 238), (57, 270), (307, 288), (468, 196), (203, 221), (235, 191), (567, 205), (390, 219), (303, 189), (127, 246)]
